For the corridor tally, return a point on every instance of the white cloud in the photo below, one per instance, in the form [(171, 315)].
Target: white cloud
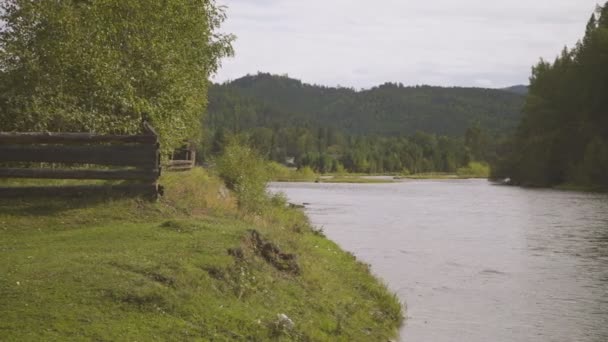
[(361, 43)]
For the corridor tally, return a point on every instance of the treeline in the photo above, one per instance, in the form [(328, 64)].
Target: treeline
[(329, 150), (387, 110), (390, 128), (563, 137)]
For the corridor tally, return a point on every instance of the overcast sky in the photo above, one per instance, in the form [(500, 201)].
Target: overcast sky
[(362, 43)]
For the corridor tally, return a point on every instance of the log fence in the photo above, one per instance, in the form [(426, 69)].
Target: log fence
[(183, 159), (131, 158)]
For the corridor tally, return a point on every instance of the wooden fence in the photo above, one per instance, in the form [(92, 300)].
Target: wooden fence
[(82, 156), (183, 159)]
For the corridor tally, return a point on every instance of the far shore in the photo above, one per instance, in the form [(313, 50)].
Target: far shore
[(374, 178)]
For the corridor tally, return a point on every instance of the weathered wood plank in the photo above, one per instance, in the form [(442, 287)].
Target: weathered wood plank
[(145, 156), (146, 190), (180, 163), (179, 168), (142, 175), (74, 138)]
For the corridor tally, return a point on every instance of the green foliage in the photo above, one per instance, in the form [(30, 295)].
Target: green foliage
[(421, 152), (562, 137), (278, 171), (281, 173), (306, 172), (339, 169), (99, 66), (246, 173), (474, 170)]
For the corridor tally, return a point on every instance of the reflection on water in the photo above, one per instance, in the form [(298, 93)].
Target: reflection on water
[(474, 261)]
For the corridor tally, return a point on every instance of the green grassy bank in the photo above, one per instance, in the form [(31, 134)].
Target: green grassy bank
[(191, 267)]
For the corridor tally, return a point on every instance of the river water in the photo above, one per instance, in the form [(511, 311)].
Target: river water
[(475, 261)]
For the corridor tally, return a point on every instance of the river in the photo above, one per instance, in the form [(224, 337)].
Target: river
[(475, 261)]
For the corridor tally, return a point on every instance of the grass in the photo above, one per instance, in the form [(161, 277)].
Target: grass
[(184, 268)]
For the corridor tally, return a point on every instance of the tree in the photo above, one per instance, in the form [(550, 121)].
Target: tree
[(562, 136), (99, 66)]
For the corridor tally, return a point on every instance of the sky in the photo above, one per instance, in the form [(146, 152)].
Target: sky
[(364, 43)]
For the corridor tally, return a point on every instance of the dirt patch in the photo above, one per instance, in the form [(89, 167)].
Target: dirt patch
[(216, 273), (285, 262)]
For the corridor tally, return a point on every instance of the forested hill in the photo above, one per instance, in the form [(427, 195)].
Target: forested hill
[(387, 110), (518, 89)]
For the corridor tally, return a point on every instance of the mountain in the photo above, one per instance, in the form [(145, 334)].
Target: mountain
[(386, 110), (517, 89)]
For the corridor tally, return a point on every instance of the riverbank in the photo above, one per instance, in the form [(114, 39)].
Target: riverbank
[(281, 173), (374, 179), (572, 187), (581, 188), (439, 176), (192, 266), (338, 179)]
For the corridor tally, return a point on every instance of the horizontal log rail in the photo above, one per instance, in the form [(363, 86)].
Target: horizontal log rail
[(42, 173), (115, 155), (74, 138), (180, 163), (180, 168)]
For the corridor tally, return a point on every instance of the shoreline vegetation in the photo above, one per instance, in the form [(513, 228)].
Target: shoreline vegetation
[(198, 264), (281, 173), (390, 128)]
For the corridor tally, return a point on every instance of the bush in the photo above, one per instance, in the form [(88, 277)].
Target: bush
[(474, 170), (282, 173), (246, 173), (278, 171), (306, 173)]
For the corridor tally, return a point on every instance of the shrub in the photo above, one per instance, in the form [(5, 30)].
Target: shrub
[(474, 170), (246, 173), (278, 171), (306, 173), (282, 173)]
